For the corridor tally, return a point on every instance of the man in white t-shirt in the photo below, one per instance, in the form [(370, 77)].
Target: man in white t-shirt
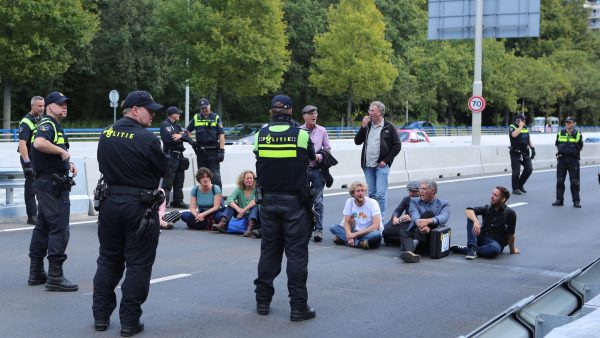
[(362, 224)]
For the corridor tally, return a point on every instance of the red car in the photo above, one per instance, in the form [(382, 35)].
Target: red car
[(412, 135)]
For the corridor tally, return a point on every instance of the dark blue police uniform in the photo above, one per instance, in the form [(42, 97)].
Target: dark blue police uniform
[(282, 155), (175, 175), (207, 129), (26, 129), (569, 147), (132, 162), (519, 156), (52, 186)]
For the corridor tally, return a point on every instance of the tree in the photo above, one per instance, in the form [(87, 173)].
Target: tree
[(235, 47), (37, 40), (352, 57)]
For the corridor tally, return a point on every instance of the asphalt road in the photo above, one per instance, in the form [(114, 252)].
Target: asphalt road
[(203, 281)]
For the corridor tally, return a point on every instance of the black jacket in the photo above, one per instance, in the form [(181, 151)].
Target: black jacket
[(389, 146)]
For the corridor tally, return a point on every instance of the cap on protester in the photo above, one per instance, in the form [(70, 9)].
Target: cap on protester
[(308, 109), (281, 101), (413, 186), (140, 98), (56, 97)]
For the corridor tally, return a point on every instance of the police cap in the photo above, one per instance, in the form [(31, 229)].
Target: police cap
[(173, 110), (203, 103), (140, 98), (570, 119), (56, 97), (281, 101)]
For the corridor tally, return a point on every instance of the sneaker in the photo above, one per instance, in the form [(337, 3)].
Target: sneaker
[(317, 236), (517, 192), (364, 245), (576, 205), (557, 203), (471, 253), (459, 249), (410, 257), (338, 241)]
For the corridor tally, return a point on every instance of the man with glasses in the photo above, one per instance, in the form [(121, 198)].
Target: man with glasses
[(132, 162), (320, 140), (569, 143), (210, 138)]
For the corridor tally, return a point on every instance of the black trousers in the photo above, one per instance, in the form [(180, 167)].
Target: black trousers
[(516, 161), (391, 232), (174, 178), (51, 233), (209, 159), (285, 228), (30, 203), (570, 165), (118, 222)]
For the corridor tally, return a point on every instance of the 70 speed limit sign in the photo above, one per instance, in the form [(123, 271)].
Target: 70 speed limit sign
[(476, 104)]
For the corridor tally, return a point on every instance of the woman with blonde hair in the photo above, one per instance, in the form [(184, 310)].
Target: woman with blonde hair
[(241, 204)]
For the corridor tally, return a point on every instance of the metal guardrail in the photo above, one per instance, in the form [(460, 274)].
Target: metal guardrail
[(92, 134)]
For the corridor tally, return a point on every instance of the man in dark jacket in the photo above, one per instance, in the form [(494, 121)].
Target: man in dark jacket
[(381, 144)]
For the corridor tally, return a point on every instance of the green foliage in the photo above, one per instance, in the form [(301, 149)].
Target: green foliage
[(353, 57)]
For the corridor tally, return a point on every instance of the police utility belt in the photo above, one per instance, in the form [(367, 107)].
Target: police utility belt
[(60, 183), (205, 148)]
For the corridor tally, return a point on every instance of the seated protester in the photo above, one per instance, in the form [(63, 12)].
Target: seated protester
[(391, 230), (241, 204), (498, 229), (362, 220), (205, 202), (426, 213)]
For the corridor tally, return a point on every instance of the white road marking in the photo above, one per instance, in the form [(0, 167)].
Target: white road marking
[(29, 228), (518, 204), (168, 278)]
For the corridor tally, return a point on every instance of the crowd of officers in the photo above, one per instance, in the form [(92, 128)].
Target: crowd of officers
[(135, 166)]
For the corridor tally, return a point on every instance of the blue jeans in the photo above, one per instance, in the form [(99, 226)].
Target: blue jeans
[(486, 246), (373, 237), (231, 213), (314, 176), (377, 180)]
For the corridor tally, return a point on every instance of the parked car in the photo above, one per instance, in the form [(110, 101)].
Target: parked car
[(424, 125), (413, 135), (242, 133), (592, 140)]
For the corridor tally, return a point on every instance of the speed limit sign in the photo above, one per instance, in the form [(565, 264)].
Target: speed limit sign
[(476, 104)]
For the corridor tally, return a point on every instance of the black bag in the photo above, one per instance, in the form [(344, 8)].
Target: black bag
[(439, 242), (184, 163)]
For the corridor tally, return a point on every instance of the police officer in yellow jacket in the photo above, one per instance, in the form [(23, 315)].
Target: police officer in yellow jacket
[(132, 162), (53, 180), (520, 143), (26, 128), (569, 143), (282, 154), (210, 139)]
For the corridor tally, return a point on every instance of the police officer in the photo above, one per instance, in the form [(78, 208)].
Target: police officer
[(53, 172), (172, 138), (282, 155), (569, 143), (520, 143), (132, 162), (26, 129), (210, 138)]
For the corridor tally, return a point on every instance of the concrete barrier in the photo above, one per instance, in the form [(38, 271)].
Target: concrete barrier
[(440, 162), (494, 159)]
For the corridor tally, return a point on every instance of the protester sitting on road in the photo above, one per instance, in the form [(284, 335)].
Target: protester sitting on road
[(241, 204), (426, 213), (167, 219), (498, 229), (205, 202), (362, 220), (391, 230)]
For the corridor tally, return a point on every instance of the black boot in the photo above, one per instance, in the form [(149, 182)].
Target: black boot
[(56, 281), (37, 275)]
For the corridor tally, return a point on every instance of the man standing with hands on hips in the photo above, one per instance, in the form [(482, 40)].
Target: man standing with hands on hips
[(210, 150), (53, 180), (381, 144), (520, 143), (569, 143)]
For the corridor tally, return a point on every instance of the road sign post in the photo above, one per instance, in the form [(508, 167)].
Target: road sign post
[(113, 96)]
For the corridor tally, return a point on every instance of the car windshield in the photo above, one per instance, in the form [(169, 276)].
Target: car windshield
[(403, 136), (240, 131)]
